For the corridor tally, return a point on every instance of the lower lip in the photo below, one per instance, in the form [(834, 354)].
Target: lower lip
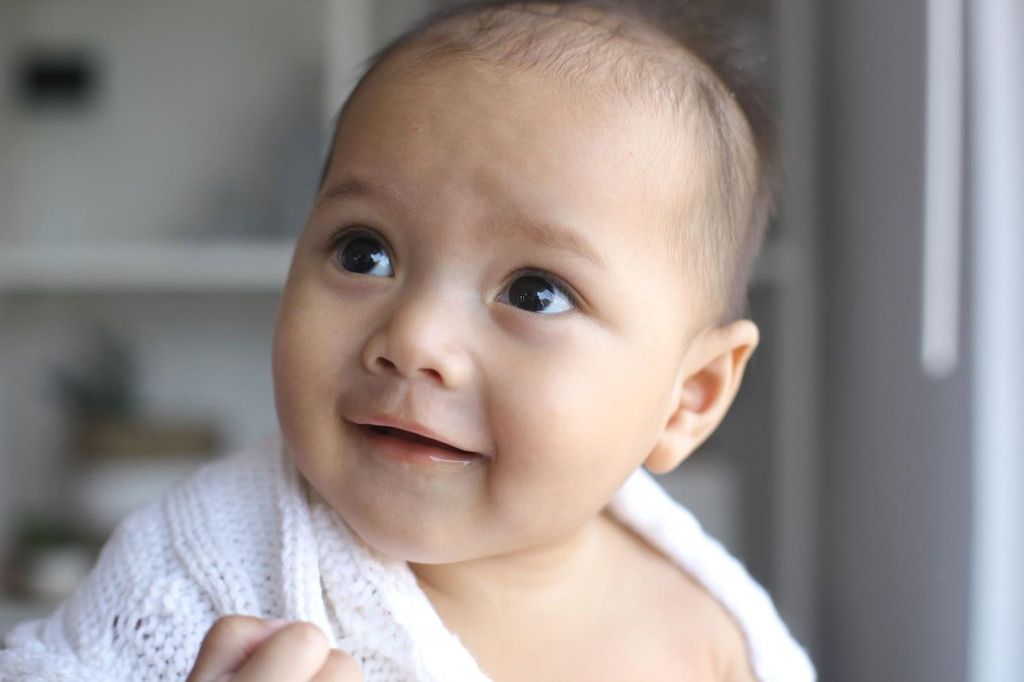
[(414, 452)]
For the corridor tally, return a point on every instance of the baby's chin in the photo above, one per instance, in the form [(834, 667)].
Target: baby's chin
[(392, 535), (414, 546)]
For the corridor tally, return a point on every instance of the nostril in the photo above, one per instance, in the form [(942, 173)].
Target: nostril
[(386, 364), (434, 374)]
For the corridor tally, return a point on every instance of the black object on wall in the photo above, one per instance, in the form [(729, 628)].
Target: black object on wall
[(65, 79)]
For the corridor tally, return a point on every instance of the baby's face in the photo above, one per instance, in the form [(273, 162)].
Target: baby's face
[(481, 263)]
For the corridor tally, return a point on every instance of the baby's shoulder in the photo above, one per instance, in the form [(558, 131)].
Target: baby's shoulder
[(730, 651), (695, 633), (697, 628)]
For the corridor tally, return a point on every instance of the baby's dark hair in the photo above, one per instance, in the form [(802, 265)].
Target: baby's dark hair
[(674, 54)]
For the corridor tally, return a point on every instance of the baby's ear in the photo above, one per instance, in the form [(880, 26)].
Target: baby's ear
[(709, 378)]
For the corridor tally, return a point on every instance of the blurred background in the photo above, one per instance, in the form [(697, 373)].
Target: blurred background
[(157, 161)]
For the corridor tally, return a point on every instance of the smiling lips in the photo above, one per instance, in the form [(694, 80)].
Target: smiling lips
[(411, 445), (415, 437)]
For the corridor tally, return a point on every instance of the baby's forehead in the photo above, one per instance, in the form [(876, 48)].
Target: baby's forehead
[(605, 54), (585, 121), (518, 137), (602, 58), (604, 65)]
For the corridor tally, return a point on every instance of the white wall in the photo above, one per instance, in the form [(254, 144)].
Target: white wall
[(207, 124), (199, 358), (206, 121)]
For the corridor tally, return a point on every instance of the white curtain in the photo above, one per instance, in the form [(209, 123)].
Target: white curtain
[(996, 106)]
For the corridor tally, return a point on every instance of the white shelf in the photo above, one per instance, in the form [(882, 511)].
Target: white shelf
[(216, 266), (244, 266)]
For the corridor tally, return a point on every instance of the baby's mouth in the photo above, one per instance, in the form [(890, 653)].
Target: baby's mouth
[(399, 433)]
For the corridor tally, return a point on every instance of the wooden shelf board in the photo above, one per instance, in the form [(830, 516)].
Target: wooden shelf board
[(241, 266)]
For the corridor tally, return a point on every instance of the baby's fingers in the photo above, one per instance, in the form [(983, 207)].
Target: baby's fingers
[(295, 652), (339, 667), (228, 643)]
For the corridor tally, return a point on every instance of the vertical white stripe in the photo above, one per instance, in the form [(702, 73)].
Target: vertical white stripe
[(942, 192), (997, 603)]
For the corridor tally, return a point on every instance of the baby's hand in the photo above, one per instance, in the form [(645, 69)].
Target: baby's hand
[(248, 649)]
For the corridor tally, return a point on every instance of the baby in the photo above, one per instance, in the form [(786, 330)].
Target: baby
[(521, 284)]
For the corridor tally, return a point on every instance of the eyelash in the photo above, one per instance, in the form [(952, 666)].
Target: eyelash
[(344, 234), (341, 236)]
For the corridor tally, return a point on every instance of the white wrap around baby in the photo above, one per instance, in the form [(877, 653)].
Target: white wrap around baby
[(242, 536)]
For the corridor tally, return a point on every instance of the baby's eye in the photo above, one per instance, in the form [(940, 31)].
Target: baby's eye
[(364, 255), (535, 293)]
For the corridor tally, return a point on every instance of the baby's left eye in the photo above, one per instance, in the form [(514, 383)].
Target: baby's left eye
[(363, 255), (537, 294)]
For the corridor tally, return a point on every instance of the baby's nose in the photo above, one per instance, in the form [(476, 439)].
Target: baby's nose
[(421, 339)]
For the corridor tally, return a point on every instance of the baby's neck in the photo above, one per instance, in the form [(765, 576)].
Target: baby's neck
[(549, 578)]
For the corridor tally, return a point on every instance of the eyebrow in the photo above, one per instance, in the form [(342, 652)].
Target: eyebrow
[(559, 238), (548, 235), (353, 188)]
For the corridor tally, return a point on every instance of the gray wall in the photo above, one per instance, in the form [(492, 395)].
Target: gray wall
[(896, 453)]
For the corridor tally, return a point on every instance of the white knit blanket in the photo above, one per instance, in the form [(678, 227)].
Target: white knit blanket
[(242, 536)]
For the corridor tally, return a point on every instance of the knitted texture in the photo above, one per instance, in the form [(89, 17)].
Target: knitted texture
[(246, 535)]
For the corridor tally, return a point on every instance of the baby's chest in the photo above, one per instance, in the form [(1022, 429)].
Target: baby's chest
[(670, 635), (626, 656)]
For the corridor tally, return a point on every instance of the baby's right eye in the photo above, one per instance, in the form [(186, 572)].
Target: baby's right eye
[(536, 292), (363, 255)]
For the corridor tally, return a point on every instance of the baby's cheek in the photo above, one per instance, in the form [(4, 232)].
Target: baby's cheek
[(304, 391), (309, 343), (551, 440)]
